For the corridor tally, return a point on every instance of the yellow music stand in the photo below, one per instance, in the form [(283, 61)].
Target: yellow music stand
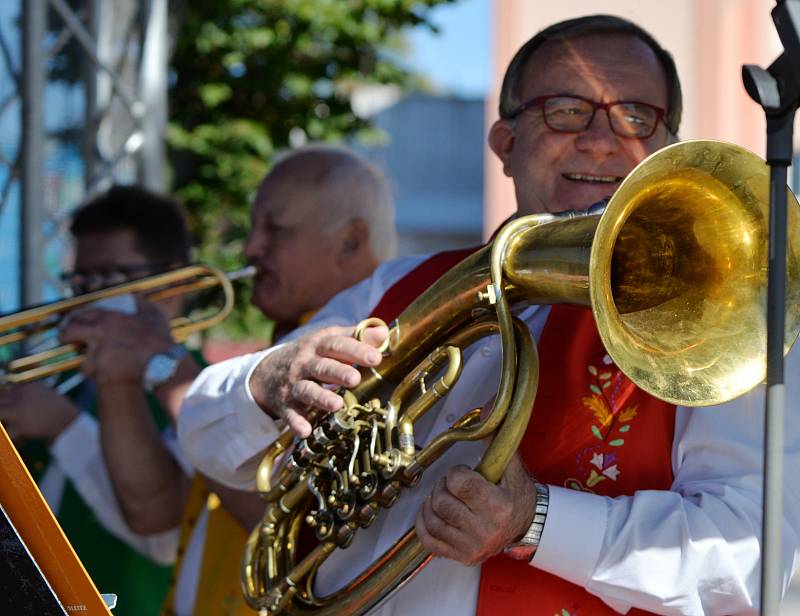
[(42, 570)]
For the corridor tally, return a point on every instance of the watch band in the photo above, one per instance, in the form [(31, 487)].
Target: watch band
[(177, 351), (526, 546)]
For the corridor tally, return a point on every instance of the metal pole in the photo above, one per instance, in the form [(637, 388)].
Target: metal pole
[(777, 90), (91, 75), (153, 91), (34, 17), (771, 578), (89, 46)]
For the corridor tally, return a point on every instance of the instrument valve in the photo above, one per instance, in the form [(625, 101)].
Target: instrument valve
[(392, 461), (387, 462), (322, 523), (320, 437), (303, 455), (340, 422), (366, 515), (411, 474), (388, 495), (345, 535), (346, 508), (293, 469), (368, 485)]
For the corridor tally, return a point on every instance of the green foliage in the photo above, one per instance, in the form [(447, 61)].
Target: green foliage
[(247, 74)]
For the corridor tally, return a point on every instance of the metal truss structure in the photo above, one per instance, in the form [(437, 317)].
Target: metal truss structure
[(120, 72)]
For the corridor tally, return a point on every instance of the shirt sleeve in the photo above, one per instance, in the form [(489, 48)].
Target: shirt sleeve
[(694, 549), (77, 452), (221, 428)]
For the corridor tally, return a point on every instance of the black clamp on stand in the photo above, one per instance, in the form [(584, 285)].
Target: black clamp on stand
[(777, 90)]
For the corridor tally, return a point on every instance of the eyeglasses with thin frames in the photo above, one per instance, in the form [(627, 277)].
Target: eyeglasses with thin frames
[(85, 281), (574, 114)]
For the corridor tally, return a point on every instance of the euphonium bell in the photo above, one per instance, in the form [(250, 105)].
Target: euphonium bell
[(675, 272)]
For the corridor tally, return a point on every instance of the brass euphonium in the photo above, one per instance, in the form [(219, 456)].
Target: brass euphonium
[(675, 272)]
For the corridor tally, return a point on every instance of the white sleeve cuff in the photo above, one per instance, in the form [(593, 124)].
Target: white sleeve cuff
[(78, 446), (573, 535), (220, 426)]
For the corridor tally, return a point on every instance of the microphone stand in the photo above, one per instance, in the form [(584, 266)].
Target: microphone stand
[(777, 90)]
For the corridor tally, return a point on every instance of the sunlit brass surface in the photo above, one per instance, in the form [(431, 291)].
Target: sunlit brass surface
[(675, 273), (38, 321), (679, 282)]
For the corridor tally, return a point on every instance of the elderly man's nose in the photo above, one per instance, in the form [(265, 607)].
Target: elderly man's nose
[(598, 137), (253, 246)]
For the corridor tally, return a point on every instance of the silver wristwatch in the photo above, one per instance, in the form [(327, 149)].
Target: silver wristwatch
[(162, 366), (525, 548)]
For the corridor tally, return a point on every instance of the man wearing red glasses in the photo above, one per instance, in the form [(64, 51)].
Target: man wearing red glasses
[(618, 502), (570, 133)]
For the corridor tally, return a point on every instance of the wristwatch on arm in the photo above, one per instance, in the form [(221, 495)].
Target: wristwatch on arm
[(162, 366), (525, 547)]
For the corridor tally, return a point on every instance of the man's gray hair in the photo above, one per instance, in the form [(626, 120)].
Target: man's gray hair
[(346, 187)]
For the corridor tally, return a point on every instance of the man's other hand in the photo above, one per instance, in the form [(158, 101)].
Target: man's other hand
[(117, 345), (34, 411), (469, 519)]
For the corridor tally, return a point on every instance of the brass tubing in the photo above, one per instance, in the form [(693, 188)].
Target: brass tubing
[(509, 435), (264, 473), (469, 430), (23, 363), (251, 575), (423, 404), (406, 555), (21, 325)]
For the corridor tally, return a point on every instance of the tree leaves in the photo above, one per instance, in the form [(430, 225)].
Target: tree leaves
[(247, 75)]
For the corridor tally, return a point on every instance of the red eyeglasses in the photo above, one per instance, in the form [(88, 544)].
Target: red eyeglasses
[(574, 114)]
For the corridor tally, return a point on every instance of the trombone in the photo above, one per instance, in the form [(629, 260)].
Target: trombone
[(20, 327)]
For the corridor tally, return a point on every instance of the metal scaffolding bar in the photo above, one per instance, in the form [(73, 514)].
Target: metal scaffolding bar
[(123, 46), (34, 18), (153, 86)]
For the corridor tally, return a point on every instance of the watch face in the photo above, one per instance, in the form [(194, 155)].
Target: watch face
[(160, 368)]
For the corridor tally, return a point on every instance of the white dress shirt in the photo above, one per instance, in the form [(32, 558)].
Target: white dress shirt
[(76, 455), (692, 549)]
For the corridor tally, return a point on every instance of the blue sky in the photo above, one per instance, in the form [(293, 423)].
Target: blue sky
[(457, 59)]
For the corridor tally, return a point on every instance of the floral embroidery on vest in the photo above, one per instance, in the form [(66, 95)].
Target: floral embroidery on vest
[(610, 426)]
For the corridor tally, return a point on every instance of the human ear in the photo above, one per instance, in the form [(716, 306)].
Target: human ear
[(501, 141), (353, 236)]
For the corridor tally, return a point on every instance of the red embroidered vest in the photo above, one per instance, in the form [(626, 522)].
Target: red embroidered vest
[(592, 429)]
